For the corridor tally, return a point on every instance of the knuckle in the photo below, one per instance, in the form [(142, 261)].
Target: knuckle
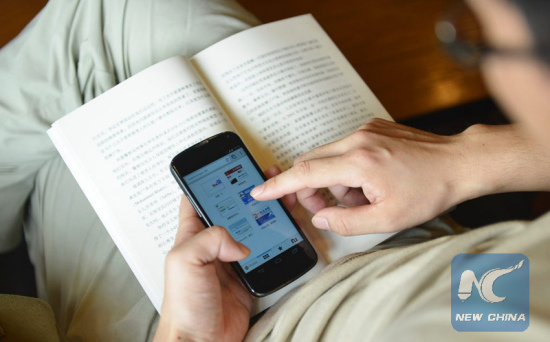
[(370, 125), (377, 121), (173, 257), (272, 183), (477, 128), (216, 233), (307, 156), (363, 136), (215, 236), (360, 157), (302, 169), (298, 160)]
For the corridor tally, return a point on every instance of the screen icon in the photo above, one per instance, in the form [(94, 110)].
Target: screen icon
[(213, 186)]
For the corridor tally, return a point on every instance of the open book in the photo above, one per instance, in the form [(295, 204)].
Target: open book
[(284, 87)]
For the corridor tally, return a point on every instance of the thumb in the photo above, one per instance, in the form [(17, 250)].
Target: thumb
[(365, 219), (211, 244)]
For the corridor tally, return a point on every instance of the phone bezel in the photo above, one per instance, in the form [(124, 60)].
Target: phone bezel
[(267, 278)]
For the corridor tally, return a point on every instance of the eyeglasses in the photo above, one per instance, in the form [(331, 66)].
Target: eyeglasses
[(460, 34)]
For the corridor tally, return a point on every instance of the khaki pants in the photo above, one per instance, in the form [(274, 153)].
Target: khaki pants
[(70, 53)]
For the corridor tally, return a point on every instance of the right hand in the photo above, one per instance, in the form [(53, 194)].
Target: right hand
[(203, 299), (389, 176)]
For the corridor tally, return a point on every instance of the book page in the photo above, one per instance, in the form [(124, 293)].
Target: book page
[(288, 89), (119, 147)]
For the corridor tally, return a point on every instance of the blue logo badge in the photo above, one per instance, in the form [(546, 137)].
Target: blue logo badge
[(490, 292)]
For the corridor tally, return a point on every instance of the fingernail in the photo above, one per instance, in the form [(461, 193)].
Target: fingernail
[(244, 249), (320, 222), (257, 190)]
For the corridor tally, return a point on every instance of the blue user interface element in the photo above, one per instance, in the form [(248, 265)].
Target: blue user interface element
[(223, 190)]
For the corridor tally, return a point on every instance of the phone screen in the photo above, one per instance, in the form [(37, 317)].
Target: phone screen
[(223, 190)]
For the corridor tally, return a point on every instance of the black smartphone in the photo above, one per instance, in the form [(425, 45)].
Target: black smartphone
[(217, 176)]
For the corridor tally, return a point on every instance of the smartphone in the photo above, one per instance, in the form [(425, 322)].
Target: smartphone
[(217, 176)]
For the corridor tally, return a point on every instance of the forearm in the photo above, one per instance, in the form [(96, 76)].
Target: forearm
[(497, 159)]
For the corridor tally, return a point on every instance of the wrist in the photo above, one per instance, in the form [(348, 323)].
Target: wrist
[(473, 170), (459, 170), (170, 331), (497, 159)]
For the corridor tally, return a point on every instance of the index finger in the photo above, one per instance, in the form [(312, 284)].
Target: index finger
[(189, 222), (315, 173)]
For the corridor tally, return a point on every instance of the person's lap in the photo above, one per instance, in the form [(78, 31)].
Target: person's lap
[(79, 270), (70, 53)]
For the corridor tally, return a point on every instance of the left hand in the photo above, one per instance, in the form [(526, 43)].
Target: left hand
[(392, 177), (389, 177), (204, 300)]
